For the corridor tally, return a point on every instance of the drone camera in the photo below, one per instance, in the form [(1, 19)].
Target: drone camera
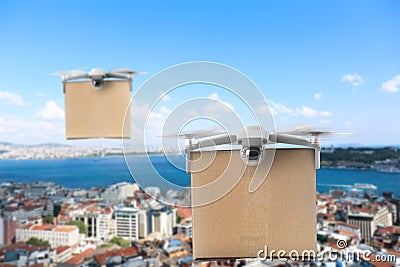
[(253, 153), (97, 76), (252, 139), (97, 83)]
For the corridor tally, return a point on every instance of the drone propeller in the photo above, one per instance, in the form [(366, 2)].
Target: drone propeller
[(308, 130), (125, 71), (69, 72), (194, 134)]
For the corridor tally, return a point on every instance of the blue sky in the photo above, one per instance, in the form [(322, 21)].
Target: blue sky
[(335, 64)]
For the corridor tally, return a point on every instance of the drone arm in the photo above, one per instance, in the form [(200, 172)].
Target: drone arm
[(117, 75), (215, 141), (288, 139), (75, 77)]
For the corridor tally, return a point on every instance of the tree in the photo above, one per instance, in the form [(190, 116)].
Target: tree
[(38, 242), (120, 241), (82, 227), (48, 219)]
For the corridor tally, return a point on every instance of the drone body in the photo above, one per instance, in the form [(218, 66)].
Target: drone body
[(253, 140), (96, 75)]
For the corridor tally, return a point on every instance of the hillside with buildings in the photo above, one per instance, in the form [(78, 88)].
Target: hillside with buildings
[(122, 225), (386, 159)]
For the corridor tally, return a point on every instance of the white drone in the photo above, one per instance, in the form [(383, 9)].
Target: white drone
[(96, 76), (253, 140)]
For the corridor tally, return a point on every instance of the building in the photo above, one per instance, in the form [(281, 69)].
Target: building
[(127, 223), (8, 228), (21, 254), (24, 212), (143, 224), (368, 220), (62, 235), (122, 257), (185, 227), (118, 192), (63, 254), (104, 224), (162, 219)]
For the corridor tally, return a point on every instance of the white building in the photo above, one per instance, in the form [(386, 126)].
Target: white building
[(127, 223), (62, 235), (163, 220), (118, 192), (63, 254), (185, 227), (104, 224), (143, 224)]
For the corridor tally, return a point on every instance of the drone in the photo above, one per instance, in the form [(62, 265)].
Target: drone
[(96, 75), (253, 140)]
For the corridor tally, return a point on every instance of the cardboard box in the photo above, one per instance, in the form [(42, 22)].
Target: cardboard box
[(281, 214), (91, 113)]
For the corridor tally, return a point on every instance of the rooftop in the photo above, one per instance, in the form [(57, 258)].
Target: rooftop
[(126, 252)]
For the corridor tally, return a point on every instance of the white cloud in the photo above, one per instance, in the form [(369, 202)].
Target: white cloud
[(278, 108), (19, 130), (311, 113), (354, 79), (318, 95), (165, 97), (11, 98), (391, 86), (304, 111), (51, 111), (215, 96), (164, 109)]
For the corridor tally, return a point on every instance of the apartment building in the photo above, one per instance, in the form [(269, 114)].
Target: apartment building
[(118, 192), (368, 220), (61, 235), (127, 223)]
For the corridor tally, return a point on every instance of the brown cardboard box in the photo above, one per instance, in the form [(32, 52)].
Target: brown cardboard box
[(281, 214), (91, 113)]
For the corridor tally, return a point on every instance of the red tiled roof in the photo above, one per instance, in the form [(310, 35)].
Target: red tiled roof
[(80, 257), (127, 252), (61, 249), (40, 227), (29, 202), (389, 230), (65, 228), (21, 246), (184, 212), (87, 252), (75, 260)]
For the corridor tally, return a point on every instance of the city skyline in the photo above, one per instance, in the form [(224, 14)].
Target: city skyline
[(334, 65)]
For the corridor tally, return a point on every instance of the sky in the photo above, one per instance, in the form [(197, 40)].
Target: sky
[(333, 64)]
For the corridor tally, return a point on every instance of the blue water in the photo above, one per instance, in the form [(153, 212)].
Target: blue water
[(101, 172)]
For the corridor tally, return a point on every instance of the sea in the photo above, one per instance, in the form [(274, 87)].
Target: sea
[(87, 173)]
